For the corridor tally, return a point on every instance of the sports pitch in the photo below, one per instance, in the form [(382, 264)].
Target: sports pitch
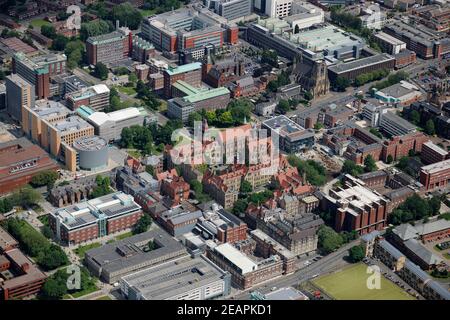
[(350, 284)]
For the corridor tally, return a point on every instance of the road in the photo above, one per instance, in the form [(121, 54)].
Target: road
[(329, 263)]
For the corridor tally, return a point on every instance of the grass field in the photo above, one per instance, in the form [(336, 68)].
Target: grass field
[(126, 90), (124, 235), (39, 23), (80, 251), (103, 298), (350, 284)]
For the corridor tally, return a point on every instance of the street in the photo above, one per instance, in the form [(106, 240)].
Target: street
[(329, 263)]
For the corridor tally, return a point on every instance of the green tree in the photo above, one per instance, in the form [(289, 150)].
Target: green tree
[(44, 178), (342, 83), (48, 31), (60, 42), (369, 164), (328, 239), (318, 125), (352, 168), (246, 187), (101, 71), (283, 106), (53, 289), (239, 207), (142, 225), (52, 257), (47, 232), (132, 78), (93, 28), (356, 253), (414, 116), (127, 15), (194, 116), (197, 187), (429, 127), (389, 159)]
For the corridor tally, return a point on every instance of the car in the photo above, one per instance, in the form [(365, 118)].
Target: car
[(314, 276), (273, 289)]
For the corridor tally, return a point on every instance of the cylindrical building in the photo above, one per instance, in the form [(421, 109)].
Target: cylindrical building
[(92, 152)]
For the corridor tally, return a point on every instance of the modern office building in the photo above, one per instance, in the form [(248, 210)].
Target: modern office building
[(109, 48), (190, 73), (389, 44), (436, 175), (20, 160), (113, 261), (400, 94), (292, 137), (95, 97), (278, 8), (19, 93), (231, 9), (432, 153), (39, 69), (73, 83), (109, 125), (95, 218), (55, 128), (424, 43), (304, 15), (188, 28), (352, 69), (395, 125), (190, 99), (323, 41), (183, 279)]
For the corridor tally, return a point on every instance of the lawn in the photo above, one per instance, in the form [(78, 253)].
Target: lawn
[(39, 23), (148, 12), (104, 298), (88, 290), (126, 90), (350, 284), (44, 220), (446, 255), (124, 235), (80, 251)]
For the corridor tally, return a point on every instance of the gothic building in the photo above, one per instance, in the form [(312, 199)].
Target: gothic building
[(312, 75)]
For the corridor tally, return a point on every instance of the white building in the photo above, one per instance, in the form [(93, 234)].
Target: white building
[(304, 15), (278, 8)]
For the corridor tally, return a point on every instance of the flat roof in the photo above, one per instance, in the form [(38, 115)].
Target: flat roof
[(128, 255), (436, 167), (6, 240), (399, 121), (236, 257), (88, 212), (174, 278), (99, 118), (356, 64), (388, 38), (435, 148), (184, 68)]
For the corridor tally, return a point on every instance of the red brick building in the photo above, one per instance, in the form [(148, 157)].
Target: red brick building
[(436, 175), (20, 160), (95, 218), (175, 188), (356, 207), (399, 146), (28, 278), (431, 153)]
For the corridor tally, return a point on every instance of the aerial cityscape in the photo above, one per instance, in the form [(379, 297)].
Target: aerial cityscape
[(232, 150)]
